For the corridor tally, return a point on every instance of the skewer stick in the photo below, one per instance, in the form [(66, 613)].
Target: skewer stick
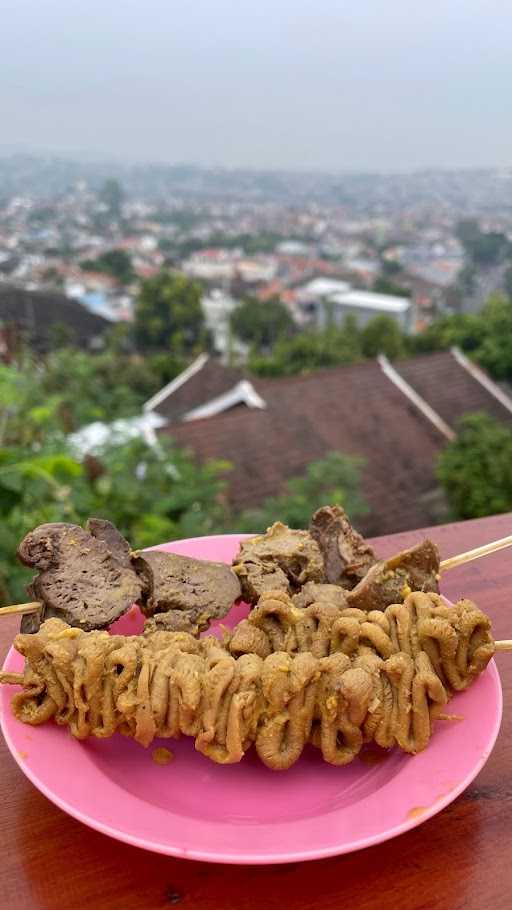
[(478, 552), (21, 608), (504, 645), (444, 566)]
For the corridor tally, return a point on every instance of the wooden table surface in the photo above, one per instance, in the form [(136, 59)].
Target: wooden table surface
[(462, 858)]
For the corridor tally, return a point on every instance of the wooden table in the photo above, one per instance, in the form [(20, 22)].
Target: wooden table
[(460, 859)]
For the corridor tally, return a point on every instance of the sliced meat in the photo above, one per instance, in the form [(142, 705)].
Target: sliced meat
[(347, 556), (190, 621), (179, 584), (313, 593), (80, 579), (391, 581), (279, 560), (105, 530)]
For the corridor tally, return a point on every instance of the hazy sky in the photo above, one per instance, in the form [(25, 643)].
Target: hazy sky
[(370, 84)]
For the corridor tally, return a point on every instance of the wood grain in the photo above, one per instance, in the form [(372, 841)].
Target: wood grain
[(460, 859)]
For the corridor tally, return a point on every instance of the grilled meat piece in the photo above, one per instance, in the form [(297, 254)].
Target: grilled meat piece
[(279, 560), (391, 581), (197, 589), (347, 556), (83, 579)]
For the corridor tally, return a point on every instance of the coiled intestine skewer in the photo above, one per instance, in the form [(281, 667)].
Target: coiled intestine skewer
[(171, 684)]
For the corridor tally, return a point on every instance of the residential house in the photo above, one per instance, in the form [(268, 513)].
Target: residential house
[(395, 417), (36, 314)]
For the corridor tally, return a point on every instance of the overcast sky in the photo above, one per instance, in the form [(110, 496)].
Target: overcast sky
[(369, 84)]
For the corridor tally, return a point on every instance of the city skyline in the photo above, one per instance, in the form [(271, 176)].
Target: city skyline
[(328, 87)]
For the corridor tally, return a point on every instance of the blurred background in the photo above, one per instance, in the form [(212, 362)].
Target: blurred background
[(254, 258)]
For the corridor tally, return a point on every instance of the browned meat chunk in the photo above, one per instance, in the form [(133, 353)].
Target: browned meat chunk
[(280, 560), (347, 556), (190, 621), (83, 579), (200, 590), (391, 581), (313, 593)]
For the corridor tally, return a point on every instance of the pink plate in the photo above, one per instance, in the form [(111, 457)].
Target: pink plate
[(245, 813)]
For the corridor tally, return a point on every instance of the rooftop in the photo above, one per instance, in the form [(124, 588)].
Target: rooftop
[(397, 427), (384, 303)]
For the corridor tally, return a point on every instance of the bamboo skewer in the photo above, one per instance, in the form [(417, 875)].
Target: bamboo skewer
[(504, 645), (21, 609), (444, 566), (477, 553)]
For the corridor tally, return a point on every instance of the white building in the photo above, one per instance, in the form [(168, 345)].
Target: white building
[(365, 305), (328, 300)]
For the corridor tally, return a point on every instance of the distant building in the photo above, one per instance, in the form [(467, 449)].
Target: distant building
[(364, 305), (35, 316), (220, 265), (329, 300)]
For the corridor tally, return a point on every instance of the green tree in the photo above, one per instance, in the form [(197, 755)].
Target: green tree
[(475, 469), (116, 263), (168, 314), (508, 282), (383, 285), (111, 195), (383, 335), (494, 352), (482, 248), (309, 351), (260, 324), (152, 494), (335, 479), (463, 330)]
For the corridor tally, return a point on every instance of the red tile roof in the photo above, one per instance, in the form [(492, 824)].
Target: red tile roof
[(355, 410)]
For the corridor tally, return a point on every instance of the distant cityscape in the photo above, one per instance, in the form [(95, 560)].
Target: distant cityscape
[(325, 245)]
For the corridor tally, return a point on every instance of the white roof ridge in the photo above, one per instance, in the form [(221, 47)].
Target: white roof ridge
[(177, 382), (482, 378), (242, 392), (423, 406)]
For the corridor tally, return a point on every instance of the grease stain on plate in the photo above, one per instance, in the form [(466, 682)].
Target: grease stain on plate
[(162, 756), (416, 811), (372, 757)]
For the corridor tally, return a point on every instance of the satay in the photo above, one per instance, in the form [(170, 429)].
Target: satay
[(456, 638), (90, 577), (385, 681), (332, 556)]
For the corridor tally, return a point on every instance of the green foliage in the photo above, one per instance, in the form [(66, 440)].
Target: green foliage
[(306, 352), (168, 314), (464, 331), (390, 267), (116, 263), (151, 494), (384, 285), (482, 248), (261, 325), (487, 336), (465, 283), (311, 350), (475, 469), (334, 479), (383, 335), (507, 280)]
